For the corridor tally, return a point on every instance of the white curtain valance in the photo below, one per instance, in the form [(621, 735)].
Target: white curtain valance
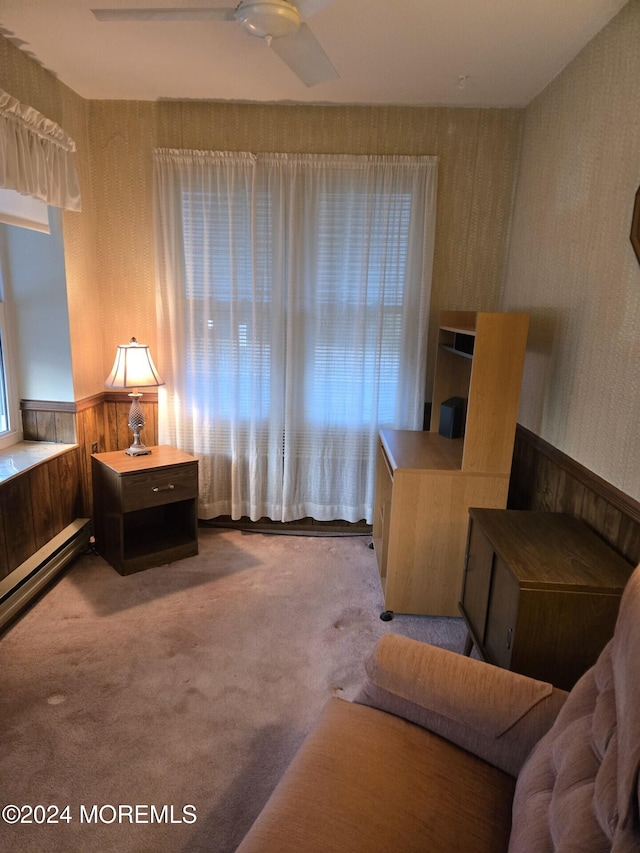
[(36, 155)]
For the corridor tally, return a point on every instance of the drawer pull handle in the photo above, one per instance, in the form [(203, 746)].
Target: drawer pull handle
[(164, 488)]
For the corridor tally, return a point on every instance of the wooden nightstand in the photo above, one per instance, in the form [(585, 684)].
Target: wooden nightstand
[(540, 593), (145, 507)]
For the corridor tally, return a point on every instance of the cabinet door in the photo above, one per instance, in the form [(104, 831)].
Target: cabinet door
[(477, 581), (502, 615)]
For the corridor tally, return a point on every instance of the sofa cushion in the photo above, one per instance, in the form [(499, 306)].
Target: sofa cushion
[(496, 714), (365, 780)]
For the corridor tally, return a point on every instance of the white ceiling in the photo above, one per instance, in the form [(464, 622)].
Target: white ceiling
[(422, 52)]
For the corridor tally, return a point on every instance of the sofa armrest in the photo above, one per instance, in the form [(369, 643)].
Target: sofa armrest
[(493, 713)]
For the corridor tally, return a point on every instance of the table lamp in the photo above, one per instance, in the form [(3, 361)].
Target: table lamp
[(134, 368)]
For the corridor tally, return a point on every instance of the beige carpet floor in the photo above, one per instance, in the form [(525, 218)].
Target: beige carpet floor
[(183, 690)]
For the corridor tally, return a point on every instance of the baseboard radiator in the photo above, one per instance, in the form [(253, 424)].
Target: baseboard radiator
[(18, 588)]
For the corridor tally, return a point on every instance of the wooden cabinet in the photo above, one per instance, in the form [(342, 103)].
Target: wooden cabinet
[(425, 483), (145, 507), (540, 593)]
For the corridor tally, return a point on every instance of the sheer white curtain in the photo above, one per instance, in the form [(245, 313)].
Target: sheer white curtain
[(293, 295), (36, 155)]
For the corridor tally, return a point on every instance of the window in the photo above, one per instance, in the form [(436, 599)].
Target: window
[(9, 432), (227, 337), (293, 295), (349, 377), (39, 170), (21, 211), (24, 211), (353, 366), (4, 400)]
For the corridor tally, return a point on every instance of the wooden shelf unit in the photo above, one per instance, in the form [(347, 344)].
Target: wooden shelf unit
[(425, 483)]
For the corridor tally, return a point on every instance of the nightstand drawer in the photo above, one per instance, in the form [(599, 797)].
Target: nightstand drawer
[(155, 488)]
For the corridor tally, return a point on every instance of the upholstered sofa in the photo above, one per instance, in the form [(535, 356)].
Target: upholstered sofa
[(441, 752)]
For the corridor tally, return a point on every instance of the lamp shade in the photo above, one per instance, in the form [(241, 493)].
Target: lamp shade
[(133, 367)]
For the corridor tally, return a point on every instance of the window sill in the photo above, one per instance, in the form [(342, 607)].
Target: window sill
[(20, 457)]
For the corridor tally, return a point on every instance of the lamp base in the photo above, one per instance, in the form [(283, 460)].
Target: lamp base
[(136, 423), (137, 451)]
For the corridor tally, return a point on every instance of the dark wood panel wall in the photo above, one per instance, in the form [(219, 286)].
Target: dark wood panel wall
[(36, 505), (96, 423), (544, 478), (56, 423), (117, 435)]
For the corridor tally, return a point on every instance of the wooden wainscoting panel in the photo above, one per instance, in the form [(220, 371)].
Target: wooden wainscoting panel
[(4, 557), (90, 429), (118, 436), (29, 425), (44, 497), (606, 516), (629, 539), (65, 427), (15, 505), (46, 424), (117, 433), (101, 420), (570, 492), (546, 485), (66, 485), (544, 478), (36, 505), (48, 420)]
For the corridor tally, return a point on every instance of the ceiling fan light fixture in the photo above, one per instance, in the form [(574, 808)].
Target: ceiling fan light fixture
[(268, 19)]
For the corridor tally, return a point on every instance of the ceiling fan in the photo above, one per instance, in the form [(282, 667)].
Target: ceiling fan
[(278, 22)]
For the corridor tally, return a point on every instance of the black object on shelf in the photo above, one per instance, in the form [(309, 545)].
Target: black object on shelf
[(452, 418), (463, 343)]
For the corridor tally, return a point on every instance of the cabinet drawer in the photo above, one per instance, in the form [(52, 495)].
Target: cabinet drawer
[(156, 488)]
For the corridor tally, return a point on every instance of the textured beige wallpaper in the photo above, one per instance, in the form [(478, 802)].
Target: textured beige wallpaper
[(109, 248), (571, 263), (123, 136), (478, 151), (83, 294)]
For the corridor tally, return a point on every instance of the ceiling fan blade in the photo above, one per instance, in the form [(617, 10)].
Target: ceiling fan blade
[(302, 52), (307, 8), (165, 14)]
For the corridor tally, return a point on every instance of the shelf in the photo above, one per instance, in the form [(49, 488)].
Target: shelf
[(456, 351), (149, 543), (157, 530), (460, 330)]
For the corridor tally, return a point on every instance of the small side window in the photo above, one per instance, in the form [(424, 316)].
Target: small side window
[(4, 402), (9, 416)]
